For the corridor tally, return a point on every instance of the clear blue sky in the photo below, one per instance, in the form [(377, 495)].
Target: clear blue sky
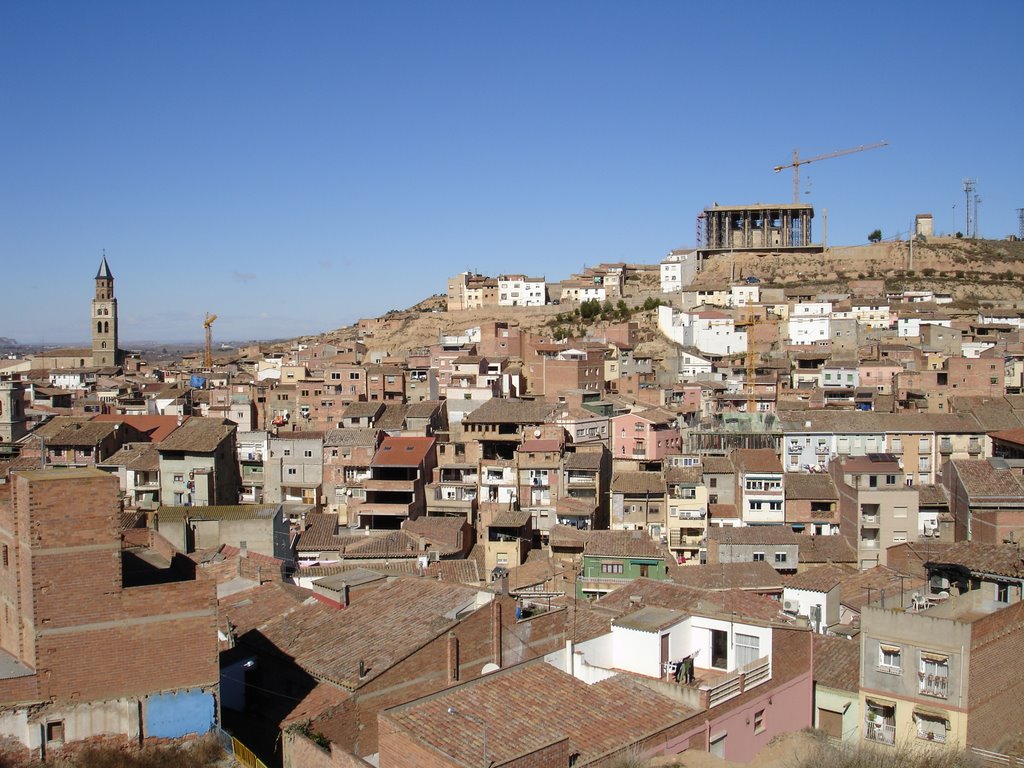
[(293, 166)]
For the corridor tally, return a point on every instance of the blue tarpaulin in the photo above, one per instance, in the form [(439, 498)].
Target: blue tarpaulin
[(197, 381), (173, 715)]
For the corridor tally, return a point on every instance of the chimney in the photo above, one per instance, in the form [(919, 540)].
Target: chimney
[(496, 632), (453, 658), (569, 657), (362, 669)]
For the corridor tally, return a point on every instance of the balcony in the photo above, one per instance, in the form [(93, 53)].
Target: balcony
[(880, 730), (589, 480), (401, 486), (869, 543), (869, 521), (393, 510)]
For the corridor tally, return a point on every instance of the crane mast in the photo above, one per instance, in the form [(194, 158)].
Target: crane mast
[(208, 346), (797, 162)]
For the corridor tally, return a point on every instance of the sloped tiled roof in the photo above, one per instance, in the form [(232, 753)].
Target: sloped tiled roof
[(638, 482), (984, 482), (998, 559), (759, 576), (499, 410), (753, 534), (826, 549), (854, 588), (837, 663), (557, 706), (810, 486), (588, 460), (822, 578), (666, 594), (222, 512), (621, 544), (329, 644), (198, 435)]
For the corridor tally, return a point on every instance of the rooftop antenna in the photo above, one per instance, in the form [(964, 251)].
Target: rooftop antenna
[(977, 202), (1020, 223)]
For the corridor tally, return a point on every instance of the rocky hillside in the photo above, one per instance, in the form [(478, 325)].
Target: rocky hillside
[(974, 271)]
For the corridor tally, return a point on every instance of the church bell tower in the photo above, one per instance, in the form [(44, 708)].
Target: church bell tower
[(104, 320)]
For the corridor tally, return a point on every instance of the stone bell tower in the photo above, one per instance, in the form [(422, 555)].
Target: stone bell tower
[(104, 320)]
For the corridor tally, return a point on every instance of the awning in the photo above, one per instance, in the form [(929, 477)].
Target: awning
[(884, 703), (940, 658), (936, 714), (890, 648)]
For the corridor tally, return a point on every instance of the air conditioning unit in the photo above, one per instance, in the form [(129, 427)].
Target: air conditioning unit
[(791, 606)]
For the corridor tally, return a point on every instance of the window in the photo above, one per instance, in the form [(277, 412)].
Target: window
[(179, 478), (759, 721), (353, 375), (930, 727), (898, 537), (1002, 590), (748, 649), (6, 556), (287, 451), (933, 675), (780, 557), (611, 567), (292, 471), (759, 557), (889, 659), (308, 454), (55, 731), (713, 482)]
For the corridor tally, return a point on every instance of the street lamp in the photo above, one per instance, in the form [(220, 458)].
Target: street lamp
[(473, 719)]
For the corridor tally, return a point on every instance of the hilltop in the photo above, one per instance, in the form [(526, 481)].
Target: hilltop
[(974, 271)]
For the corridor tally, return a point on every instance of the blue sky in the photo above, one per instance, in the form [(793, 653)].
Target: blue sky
[(292, 166)]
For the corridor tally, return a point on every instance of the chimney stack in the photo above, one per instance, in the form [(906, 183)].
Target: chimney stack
[(453, 658)]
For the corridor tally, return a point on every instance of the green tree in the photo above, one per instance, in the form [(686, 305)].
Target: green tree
[(875, 236), (590, 309)]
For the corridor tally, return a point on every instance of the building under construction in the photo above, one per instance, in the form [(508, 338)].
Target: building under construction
[(756, 228)]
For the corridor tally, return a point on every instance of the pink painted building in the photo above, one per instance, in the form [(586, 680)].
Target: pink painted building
[(645, 436)]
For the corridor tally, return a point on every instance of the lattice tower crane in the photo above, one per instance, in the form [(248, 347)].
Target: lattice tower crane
[(797, 162), (208, 348)]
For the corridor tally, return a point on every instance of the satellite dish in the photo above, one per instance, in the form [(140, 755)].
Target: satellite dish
[(488, 668), (536, 433)]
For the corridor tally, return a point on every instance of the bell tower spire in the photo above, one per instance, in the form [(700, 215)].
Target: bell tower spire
[(104, 319)]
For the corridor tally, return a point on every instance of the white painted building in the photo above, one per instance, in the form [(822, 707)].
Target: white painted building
[(744, 294), (710, 331), (678, 270), (909, 326), (521, 291)]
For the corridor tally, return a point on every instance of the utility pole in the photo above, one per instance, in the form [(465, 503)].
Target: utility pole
[(977, 202)]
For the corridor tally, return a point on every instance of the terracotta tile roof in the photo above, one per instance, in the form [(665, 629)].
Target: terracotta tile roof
[(932, 496), (983, 481), (558, 704), (666, 594), (81, 434), (837, 663), (351, 437), (633, 483), (590, 460), (567, 536), (717, 465), (998, 559), (223, 512), (822, 578), (449, 571), (156, 427), (853, 589), (621, 544), (684, 475), (253, 608), (329, 643), (510, 518), (760, 576), (318, 702), (444, 534), (826, 549), (321, 533), (198, 435), (402, 451), (756, 460), (1015, 436), (753, 534), (540, 446), (510, 411), (139, 457), (810, 486), (363, 410), (721, 510)]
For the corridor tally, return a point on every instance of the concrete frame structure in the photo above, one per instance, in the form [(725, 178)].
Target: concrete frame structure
[(756, 227)]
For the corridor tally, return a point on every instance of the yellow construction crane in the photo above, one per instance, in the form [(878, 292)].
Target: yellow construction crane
[(797, 162), (208, 348)]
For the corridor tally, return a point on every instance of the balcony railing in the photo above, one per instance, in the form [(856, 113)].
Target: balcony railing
[(934, 685), (879, 730)]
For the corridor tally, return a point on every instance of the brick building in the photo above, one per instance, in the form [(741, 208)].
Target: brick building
[(106, 635)]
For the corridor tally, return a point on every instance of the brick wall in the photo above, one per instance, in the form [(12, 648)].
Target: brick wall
[(996, 677), (301, 752), (88, 636)]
